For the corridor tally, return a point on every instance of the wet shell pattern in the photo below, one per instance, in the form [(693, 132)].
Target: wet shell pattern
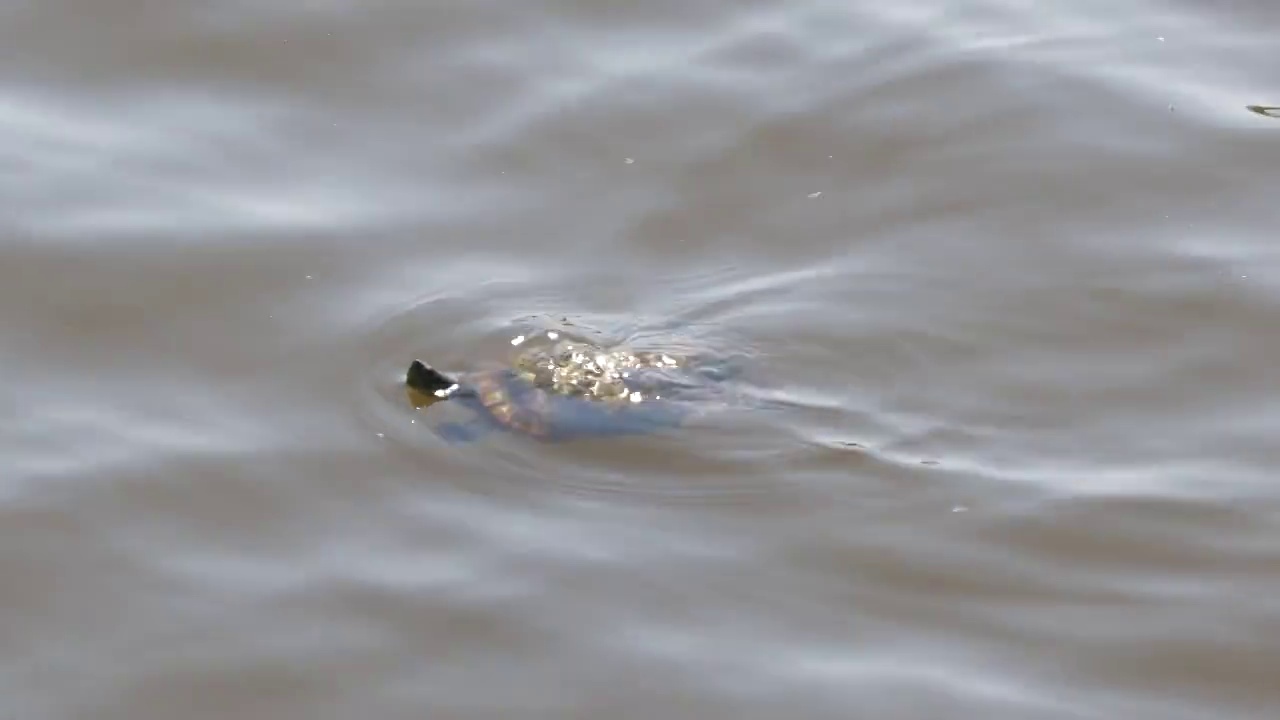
[(578, 370)]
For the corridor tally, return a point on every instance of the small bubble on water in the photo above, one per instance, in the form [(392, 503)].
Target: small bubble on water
[(815, 194), (1160, 38), (381, 435), (308, 277), (629, 161), (959, 509)]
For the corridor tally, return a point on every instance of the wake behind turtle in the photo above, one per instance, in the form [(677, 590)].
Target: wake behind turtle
[(568, 389)]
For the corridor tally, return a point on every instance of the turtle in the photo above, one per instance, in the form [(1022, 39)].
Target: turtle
[(572, 389)]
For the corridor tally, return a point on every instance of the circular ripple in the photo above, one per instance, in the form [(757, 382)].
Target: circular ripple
[(723, 454)]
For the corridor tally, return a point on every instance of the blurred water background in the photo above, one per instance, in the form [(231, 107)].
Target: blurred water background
[(1006, 274)]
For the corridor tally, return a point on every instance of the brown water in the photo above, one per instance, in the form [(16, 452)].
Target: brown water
[(1006, 274)]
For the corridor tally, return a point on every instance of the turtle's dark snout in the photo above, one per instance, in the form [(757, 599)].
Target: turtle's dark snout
[(426, 379)]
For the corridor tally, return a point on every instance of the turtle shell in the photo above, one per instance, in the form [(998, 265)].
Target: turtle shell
[(575, 369)]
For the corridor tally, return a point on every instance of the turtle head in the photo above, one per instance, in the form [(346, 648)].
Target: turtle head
[(429, 381)]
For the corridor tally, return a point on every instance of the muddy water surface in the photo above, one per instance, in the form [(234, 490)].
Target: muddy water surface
[(1006, 276)]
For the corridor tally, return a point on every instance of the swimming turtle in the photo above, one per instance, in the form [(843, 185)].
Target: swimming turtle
[(571, 389)]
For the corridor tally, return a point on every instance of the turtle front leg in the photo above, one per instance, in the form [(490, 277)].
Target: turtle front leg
[(457, 433)]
